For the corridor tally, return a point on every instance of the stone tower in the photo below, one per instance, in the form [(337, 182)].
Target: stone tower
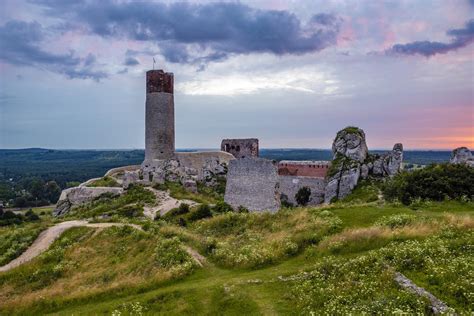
[(159, 115)]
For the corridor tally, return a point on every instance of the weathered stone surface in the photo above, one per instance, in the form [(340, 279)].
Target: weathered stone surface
[(289, 186), (79, 195), (159, 126), (349, 152), (462, 155), (159, 81), (195, 166), (253, 184), (350, 142), (388, 164), (342, 184), (395, 160), (241, 148), (190, 186)]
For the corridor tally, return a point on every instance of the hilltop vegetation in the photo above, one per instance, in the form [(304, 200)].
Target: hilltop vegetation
[(206, 259), (336, 259)]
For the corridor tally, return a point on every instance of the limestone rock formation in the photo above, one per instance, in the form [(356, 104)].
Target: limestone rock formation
[(387, 164), (350, 143), (462, 155), (352, 161), (349, 152), (79, 195)]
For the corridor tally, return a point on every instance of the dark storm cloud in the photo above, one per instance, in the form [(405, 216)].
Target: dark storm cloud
[(130, 61), (19, 42), (225, 28), (20, 45), (460, 38)]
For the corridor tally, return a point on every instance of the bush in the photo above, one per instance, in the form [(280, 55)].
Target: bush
[(222, 207), (203, 211), (303, 195), (169, 253), (435, 182)]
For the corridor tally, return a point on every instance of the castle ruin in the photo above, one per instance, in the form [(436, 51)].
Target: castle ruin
[(241, 148), (254, 183), (159, 115)]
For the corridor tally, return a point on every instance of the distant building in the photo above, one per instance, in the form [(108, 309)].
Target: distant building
[(308, 168), (241, 148)]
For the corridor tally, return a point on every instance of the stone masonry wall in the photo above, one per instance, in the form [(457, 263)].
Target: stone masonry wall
[(241, 148), (289, 186), (254, 184)]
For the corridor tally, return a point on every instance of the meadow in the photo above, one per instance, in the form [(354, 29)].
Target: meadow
[(335, 259)]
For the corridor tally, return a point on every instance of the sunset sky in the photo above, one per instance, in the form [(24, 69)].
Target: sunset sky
[(291, 73)]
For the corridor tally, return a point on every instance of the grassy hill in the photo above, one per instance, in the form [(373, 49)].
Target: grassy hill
[(336, 259)]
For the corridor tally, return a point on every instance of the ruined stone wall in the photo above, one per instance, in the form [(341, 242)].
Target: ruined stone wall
[(159, 116), (316, 169), (241, 148), (289, 186), (254, 184)]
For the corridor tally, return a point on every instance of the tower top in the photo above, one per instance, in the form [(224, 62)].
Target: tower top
[(159, 81)]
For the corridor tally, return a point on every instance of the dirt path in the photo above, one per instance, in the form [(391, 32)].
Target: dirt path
[(165, 203), (46, 238)]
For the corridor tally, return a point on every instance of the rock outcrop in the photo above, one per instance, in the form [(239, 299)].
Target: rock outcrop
[(352, 161), (79, 195), (462, 155), (388, 164), (349, 152), (187, 168)]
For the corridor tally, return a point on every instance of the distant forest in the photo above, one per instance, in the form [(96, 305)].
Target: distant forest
[(20, 167)]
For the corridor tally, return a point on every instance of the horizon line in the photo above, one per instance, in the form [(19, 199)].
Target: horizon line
[(214, 149)]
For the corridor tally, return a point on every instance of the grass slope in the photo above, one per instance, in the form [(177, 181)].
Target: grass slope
[(337, 259)]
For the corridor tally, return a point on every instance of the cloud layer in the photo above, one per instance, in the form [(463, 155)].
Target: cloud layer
[(460, 38), (19, 42), (199, 33)]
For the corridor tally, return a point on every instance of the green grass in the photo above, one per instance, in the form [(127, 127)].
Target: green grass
[(204, 195), (340, 259), (105, 182), (129, 203), (14, 240)]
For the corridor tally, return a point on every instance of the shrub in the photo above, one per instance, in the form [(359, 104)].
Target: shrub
[(303, 195), (130, 211), (435, 182), (222, 207), (203, 211), (242, 209), (395, 221), (169, 253)]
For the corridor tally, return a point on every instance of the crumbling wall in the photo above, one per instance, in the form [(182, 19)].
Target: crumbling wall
[(253, 183), (187, 168), (289, 186), (241, 148)]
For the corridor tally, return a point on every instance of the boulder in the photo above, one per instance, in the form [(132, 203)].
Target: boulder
[(462, 155), (79, 195)]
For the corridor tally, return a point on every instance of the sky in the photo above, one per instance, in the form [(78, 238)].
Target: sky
[(291, 73)]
